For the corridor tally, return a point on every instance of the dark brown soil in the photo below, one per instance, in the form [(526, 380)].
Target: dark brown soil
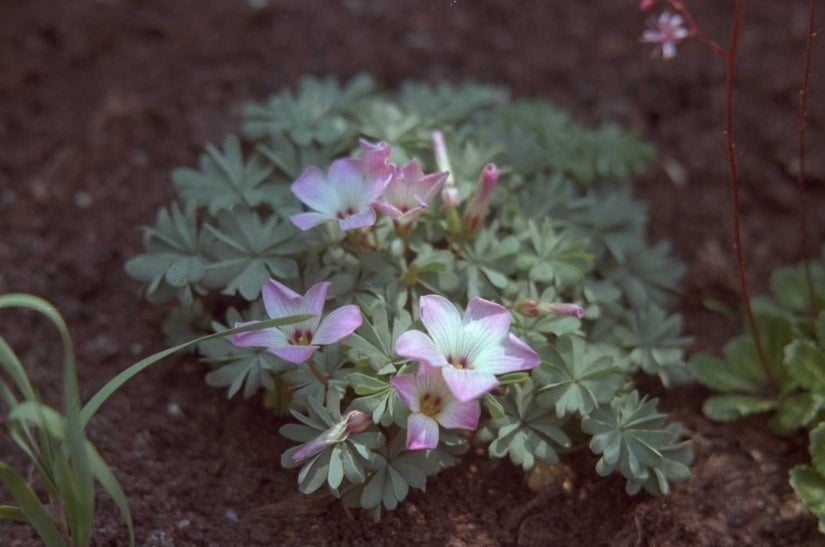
[(99, 100)]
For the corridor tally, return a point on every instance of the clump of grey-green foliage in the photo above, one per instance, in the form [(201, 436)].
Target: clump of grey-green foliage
[(562, 227), (788, 379)]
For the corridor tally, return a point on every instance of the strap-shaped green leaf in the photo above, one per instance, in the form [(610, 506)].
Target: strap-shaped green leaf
[(115, 383), (31, 507)]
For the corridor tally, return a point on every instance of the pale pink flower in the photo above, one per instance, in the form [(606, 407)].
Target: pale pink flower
[(432, 403), (297, 342), (480, 202), (665, 32), (472, 350), (347, 192), (408, 192)]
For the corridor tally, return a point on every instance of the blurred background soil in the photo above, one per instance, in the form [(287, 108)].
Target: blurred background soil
[(100, 99)]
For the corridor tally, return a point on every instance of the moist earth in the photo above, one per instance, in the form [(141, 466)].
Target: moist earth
[(100, 99)]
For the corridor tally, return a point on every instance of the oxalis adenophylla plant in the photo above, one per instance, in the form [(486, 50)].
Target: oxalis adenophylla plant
[(779, 365), (475, 272)]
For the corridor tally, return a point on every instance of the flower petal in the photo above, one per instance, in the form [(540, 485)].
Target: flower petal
[(422, 432), (346, 176), (442, 320), (306, 221), (416, 345), (264, 338), (407, 389), (517, 356), (467, 384), (387, 209), (313, 300), (279, 300), (458, 415), (293, 354), (313, 190), (375, 155), (338, 325), (492, 320), (361, 219)]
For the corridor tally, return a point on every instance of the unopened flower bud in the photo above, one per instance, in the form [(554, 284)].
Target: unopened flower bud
[(357, 421), (645, 5), (480, 202), (567, 309), (354, 421), (533, 308), (442, 159), (450, 196), (397, 248), (528, 307)]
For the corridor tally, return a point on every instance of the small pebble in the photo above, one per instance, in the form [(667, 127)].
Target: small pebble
[(231, 516), (83, 199), (183, 524), (174, 410), (135, 348)]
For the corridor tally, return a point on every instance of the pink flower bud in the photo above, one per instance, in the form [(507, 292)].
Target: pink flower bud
[(528, 307), (354, 421), (645, 5), (567, 309), (532, 308), (480, 202), (357, 421)]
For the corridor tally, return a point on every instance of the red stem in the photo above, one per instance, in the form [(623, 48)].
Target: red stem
[(734, 188), (803, 197)]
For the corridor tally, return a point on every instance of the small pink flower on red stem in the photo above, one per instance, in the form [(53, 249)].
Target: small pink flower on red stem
[(407, 194), (480, 202), (665, 31)]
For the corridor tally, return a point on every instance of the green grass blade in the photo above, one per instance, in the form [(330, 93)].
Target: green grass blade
[(81, 510), (109, 482), (11, 512), (94, 404), (31, 507), (14, 368), (50, 421)]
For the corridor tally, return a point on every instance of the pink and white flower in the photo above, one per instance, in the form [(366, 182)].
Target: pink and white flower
[(470, 351), (297, 342), (347, 192), (665, 32), (408, 192), (431, 403)]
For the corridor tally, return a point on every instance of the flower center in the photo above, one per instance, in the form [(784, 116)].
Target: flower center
[(459, 363), (348, 212), (430, 405), (301, 337)]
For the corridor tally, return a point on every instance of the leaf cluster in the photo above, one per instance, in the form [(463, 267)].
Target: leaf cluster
[(563, 227)]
